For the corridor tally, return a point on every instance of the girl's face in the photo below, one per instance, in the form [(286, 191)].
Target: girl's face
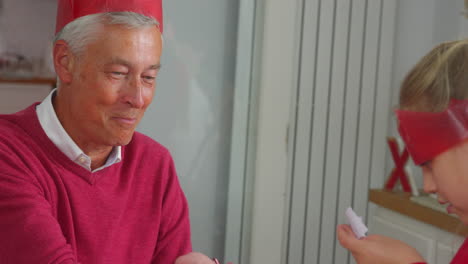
[(447, 175)]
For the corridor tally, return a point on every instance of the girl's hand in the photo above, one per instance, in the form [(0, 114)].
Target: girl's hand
[(377, 249)]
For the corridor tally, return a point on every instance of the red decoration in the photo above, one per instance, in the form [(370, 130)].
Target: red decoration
[(69, 10), (399, 171)]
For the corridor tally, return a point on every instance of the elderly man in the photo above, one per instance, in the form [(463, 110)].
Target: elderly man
[(77, 183)]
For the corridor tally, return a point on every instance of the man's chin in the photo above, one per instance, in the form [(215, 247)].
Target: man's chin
[(123, 140)]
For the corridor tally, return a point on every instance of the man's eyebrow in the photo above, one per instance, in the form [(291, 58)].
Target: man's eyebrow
[(155, 67), (120, 61), (128, 64)]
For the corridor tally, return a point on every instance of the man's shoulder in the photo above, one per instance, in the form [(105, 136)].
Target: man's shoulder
[(144, 143), (9, 127), (147, 153), (142, 139), (10, 136), (13, 121), (18, 146), (14, 125)]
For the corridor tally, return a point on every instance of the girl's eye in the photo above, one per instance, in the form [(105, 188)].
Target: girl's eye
[(427, 165)]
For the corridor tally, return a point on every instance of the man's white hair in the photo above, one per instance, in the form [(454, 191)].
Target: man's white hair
[(80, 32)]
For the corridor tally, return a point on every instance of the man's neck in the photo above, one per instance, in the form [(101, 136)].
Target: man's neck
[(98, 157), (97, 153)]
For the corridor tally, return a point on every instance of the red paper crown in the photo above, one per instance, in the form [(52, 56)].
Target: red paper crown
[(69, 10), (428, 134)]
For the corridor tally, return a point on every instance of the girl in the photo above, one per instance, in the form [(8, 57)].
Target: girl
[(433, 122)]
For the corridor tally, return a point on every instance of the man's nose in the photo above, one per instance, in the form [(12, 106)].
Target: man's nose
[(134, 93)]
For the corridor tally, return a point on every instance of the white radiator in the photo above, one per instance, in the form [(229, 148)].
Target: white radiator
[(343, 107)]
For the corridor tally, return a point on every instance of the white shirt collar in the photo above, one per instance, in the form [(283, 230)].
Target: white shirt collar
[(55, 131)]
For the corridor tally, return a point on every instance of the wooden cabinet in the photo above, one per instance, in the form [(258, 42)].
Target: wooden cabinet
[(434, 244)]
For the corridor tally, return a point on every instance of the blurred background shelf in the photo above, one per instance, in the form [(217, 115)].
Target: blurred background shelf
[(48, 81)]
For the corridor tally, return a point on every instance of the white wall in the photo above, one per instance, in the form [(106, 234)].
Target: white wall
[(421, 24)]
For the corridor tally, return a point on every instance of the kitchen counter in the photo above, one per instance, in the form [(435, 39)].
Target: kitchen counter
[(402, 203)]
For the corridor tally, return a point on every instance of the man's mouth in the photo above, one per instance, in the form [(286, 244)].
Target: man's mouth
[(126, 120)]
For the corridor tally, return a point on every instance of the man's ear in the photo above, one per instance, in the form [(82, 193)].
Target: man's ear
[(63, 61)]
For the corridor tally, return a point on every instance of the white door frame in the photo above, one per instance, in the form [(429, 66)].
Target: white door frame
[(266, 78)]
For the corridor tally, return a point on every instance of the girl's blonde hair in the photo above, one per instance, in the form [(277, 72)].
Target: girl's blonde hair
[(441, 75)]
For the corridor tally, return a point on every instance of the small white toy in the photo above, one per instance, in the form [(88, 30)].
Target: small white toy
[(359, 228)]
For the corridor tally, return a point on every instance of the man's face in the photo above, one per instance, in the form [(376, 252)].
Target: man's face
[(112, 85)]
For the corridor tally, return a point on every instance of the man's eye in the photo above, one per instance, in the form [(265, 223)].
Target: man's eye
[(118, 73), (149, 78)]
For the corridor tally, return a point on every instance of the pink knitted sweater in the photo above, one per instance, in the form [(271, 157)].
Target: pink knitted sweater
[(54, 211)]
